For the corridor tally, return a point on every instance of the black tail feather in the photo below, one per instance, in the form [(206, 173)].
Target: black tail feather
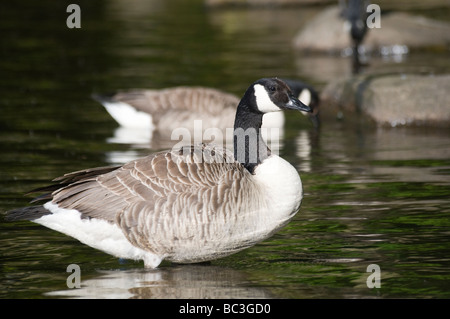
[(102, 98), (67, 179), (26, 213)]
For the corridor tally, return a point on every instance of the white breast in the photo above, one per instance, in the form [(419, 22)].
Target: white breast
[(283, 189)]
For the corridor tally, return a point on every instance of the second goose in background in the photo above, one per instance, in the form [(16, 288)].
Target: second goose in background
[(165, 110)]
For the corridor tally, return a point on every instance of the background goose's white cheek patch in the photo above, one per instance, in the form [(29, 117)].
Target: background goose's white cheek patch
[(305, 97), (263, 100)]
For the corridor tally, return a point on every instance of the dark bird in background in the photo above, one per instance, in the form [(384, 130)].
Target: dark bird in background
[(355, 13), (308, 95)]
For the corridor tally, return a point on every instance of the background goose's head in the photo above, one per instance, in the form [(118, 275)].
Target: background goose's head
[(272, 95)]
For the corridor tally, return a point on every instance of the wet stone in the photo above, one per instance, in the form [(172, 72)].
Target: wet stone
[(392, 100)]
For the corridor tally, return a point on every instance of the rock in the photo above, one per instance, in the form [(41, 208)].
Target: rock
[(326, 33), (393, 100)]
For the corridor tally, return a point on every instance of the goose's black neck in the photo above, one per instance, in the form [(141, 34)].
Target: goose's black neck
[(249, 146)]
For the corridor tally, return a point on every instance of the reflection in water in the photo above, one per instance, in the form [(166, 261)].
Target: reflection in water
[(386, 154), (304, 151), (177, 282), (121, 157), (128, 135), (142, 138)]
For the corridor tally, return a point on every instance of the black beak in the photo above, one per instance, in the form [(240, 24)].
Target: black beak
[(295, 104)]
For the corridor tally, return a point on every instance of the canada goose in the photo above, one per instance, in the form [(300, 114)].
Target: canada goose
[(308, 96), (185, 205), (165, 110), (355, 14)]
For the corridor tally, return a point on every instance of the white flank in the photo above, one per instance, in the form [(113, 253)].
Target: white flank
[(95, 233), (128, 116), (263, 101)]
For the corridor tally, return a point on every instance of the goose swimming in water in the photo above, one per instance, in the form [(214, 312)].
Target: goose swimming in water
[(167, 109), (185, 205)]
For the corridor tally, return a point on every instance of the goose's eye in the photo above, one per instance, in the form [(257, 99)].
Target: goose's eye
[(272, 88)]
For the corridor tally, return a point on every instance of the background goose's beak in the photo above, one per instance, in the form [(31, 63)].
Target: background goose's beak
[(295, 104)]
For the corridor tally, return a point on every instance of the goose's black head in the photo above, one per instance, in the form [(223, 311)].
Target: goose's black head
[(356, 14), (307, 95), (272, 95), (264, 96)]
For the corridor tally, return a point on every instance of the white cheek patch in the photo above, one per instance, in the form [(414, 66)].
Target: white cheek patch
[(263, 101), (305, 96)]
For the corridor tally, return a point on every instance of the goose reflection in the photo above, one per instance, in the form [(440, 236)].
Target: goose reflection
[(173, 282)]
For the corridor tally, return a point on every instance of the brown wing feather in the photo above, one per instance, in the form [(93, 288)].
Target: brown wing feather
[(68, 179), (193, 214), (146, 180), (164, 201)]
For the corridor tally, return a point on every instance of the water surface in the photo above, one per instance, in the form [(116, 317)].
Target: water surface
[(372, 195)]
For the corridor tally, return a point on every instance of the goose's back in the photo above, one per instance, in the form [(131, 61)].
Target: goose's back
[(198, 99)]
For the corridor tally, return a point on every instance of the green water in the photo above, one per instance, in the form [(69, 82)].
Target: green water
[(372, 195)]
